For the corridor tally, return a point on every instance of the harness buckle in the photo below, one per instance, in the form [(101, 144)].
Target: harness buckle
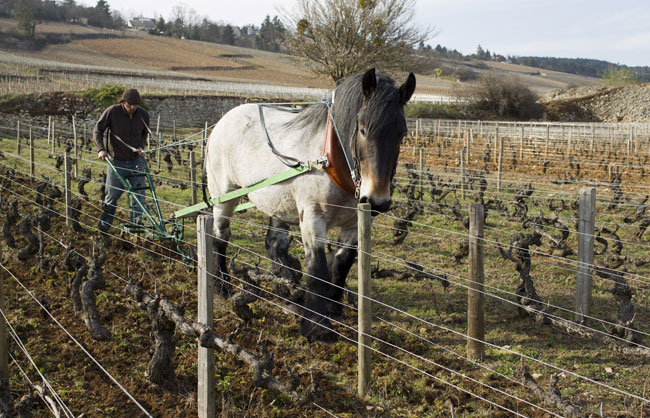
[(320, 162)]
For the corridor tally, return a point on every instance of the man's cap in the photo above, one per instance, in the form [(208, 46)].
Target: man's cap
[(131, 96)]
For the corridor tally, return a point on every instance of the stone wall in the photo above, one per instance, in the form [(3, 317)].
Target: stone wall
[(189, 111)]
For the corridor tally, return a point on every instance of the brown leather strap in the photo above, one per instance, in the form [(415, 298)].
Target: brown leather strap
[(337, 170)]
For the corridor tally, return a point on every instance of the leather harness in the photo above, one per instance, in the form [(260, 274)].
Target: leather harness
[(337, 169)]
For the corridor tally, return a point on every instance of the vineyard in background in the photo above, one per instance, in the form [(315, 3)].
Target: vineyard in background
[(538, 360)]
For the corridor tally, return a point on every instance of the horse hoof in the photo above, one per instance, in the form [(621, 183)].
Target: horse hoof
[(335, 312), (321, 332), (327, 338)]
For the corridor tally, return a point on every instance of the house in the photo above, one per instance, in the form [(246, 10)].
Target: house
[(142, 23)]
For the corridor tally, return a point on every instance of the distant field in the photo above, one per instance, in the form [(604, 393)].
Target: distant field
[(126, 50)]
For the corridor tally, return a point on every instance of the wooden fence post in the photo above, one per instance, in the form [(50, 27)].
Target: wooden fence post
[(475, 296), (206, 273), (462, 173), (521, 144), (18, 136), (160, 137), (49, 128), (193, 177), (68, 195), (74, 139), (53, 141), (364, 264), (500, 166), (586, 220), (421, 171), (548, 137), (31, 154), (205, 140), (496, 143)]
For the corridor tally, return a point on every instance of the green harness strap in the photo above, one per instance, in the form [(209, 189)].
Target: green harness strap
[(278, 178)]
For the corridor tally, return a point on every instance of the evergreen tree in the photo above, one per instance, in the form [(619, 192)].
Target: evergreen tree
[(228, 35)]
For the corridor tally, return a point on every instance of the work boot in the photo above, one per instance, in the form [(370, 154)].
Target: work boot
[(103, 232)]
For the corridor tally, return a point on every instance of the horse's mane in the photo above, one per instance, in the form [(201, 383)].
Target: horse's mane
[(347, 102)]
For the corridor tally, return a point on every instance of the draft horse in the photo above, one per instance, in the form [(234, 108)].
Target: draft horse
[(368, 112)]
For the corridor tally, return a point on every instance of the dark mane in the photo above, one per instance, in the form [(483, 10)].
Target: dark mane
[(347, 102)]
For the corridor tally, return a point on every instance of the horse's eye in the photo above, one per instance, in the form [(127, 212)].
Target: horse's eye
[(363, 131)]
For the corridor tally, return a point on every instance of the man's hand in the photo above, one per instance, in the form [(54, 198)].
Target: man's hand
[(102, 155), (139, 152)]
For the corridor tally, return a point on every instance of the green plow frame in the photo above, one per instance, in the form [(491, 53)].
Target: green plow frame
[(152, 221)]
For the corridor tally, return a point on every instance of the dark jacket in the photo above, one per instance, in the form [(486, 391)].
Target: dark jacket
[(130, 129)]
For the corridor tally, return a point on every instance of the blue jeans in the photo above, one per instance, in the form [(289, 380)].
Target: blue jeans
[(114, 189)]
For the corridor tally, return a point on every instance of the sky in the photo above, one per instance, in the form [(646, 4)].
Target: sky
[(617, 31)]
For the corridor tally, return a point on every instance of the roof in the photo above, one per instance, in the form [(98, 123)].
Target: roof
[(142, 23)]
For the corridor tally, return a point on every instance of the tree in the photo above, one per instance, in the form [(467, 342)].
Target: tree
[(339, 38), (619, 76), (228, 35), (28, 14)]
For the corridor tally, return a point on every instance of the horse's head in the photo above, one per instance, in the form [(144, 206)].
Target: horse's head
[(381, 126)]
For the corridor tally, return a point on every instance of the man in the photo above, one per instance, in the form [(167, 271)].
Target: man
[(128, 127)]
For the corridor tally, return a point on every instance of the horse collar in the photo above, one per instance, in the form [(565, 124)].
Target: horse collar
[(338, 169)]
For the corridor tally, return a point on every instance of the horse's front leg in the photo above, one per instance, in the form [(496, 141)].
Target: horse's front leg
[(339, 262), (222, 214), (315, 325), (277, 249)]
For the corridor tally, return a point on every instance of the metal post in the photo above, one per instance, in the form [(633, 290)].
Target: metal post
[(4, 349), (68, 194), (586, 221), (193, 177), (206, 274), (365, 223), (475, 296)]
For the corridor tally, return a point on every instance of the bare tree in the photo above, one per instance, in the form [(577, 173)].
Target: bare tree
[(344, 37)]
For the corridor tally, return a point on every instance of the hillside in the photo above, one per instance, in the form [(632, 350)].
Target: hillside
[(154, 56), (602, 104)]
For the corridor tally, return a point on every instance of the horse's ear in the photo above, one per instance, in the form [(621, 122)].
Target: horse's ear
[(369, 83), (406, 90)]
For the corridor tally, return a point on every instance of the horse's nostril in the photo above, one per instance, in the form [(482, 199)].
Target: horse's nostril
[(380, 207), (364, 199)]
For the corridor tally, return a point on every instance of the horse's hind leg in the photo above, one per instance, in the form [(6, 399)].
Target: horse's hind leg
[(277, 249), (339, 262), (315, 324), (222, 214)]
